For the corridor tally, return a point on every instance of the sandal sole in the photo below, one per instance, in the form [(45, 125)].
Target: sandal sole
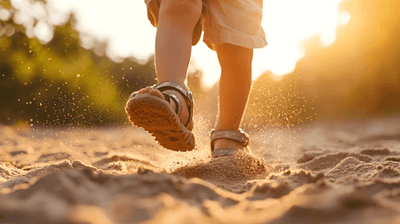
[(156, 117)]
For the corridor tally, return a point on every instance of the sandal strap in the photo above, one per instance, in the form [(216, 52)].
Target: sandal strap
[(168, 97), (239, 136), (223, 152), (186, 93)]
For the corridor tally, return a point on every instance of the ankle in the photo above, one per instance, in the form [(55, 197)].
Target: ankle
[(221, 127)]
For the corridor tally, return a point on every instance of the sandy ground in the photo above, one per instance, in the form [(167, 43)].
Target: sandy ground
[(342, 172)]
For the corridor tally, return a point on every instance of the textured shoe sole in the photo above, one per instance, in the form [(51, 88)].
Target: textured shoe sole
[(156, 117)]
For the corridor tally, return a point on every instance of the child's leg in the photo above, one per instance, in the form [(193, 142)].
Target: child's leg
[(234, 89), (177, 20)]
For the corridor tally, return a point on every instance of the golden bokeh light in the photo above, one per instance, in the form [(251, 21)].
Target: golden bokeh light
[(287, 25), (340, 55)]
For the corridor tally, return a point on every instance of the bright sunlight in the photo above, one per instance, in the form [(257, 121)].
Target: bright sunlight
[(287, 24)]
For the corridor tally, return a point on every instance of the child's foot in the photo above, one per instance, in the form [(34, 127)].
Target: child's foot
[(185, 110), (165, 111)]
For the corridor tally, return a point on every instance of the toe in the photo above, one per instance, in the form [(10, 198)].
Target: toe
[(156, 93), (144, 90), (139, 92)]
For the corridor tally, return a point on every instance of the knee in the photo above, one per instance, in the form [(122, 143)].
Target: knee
[(181, 12)]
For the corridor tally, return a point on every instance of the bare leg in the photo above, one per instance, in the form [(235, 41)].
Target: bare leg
[(234, 89), (177, 19)]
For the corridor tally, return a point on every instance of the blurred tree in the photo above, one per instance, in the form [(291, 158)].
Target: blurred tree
[(59, 82), (358, 76), (54, 80)]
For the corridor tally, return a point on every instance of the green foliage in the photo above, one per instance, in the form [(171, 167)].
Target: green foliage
[(61, 83)]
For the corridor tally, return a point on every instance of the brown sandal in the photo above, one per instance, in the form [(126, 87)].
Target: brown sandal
[(155, 116), (238, 136)]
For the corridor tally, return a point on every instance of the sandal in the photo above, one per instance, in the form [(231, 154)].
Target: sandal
[(238, 136), (155, 116)]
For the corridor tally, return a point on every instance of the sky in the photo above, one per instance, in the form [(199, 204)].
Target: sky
[(124, 25)]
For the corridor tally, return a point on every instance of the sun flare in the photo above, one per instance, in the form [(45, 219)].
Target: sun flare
[(287, 24)]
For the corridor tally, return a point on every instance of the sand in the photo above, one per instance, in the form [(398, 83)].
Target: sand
[(332, 172)]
